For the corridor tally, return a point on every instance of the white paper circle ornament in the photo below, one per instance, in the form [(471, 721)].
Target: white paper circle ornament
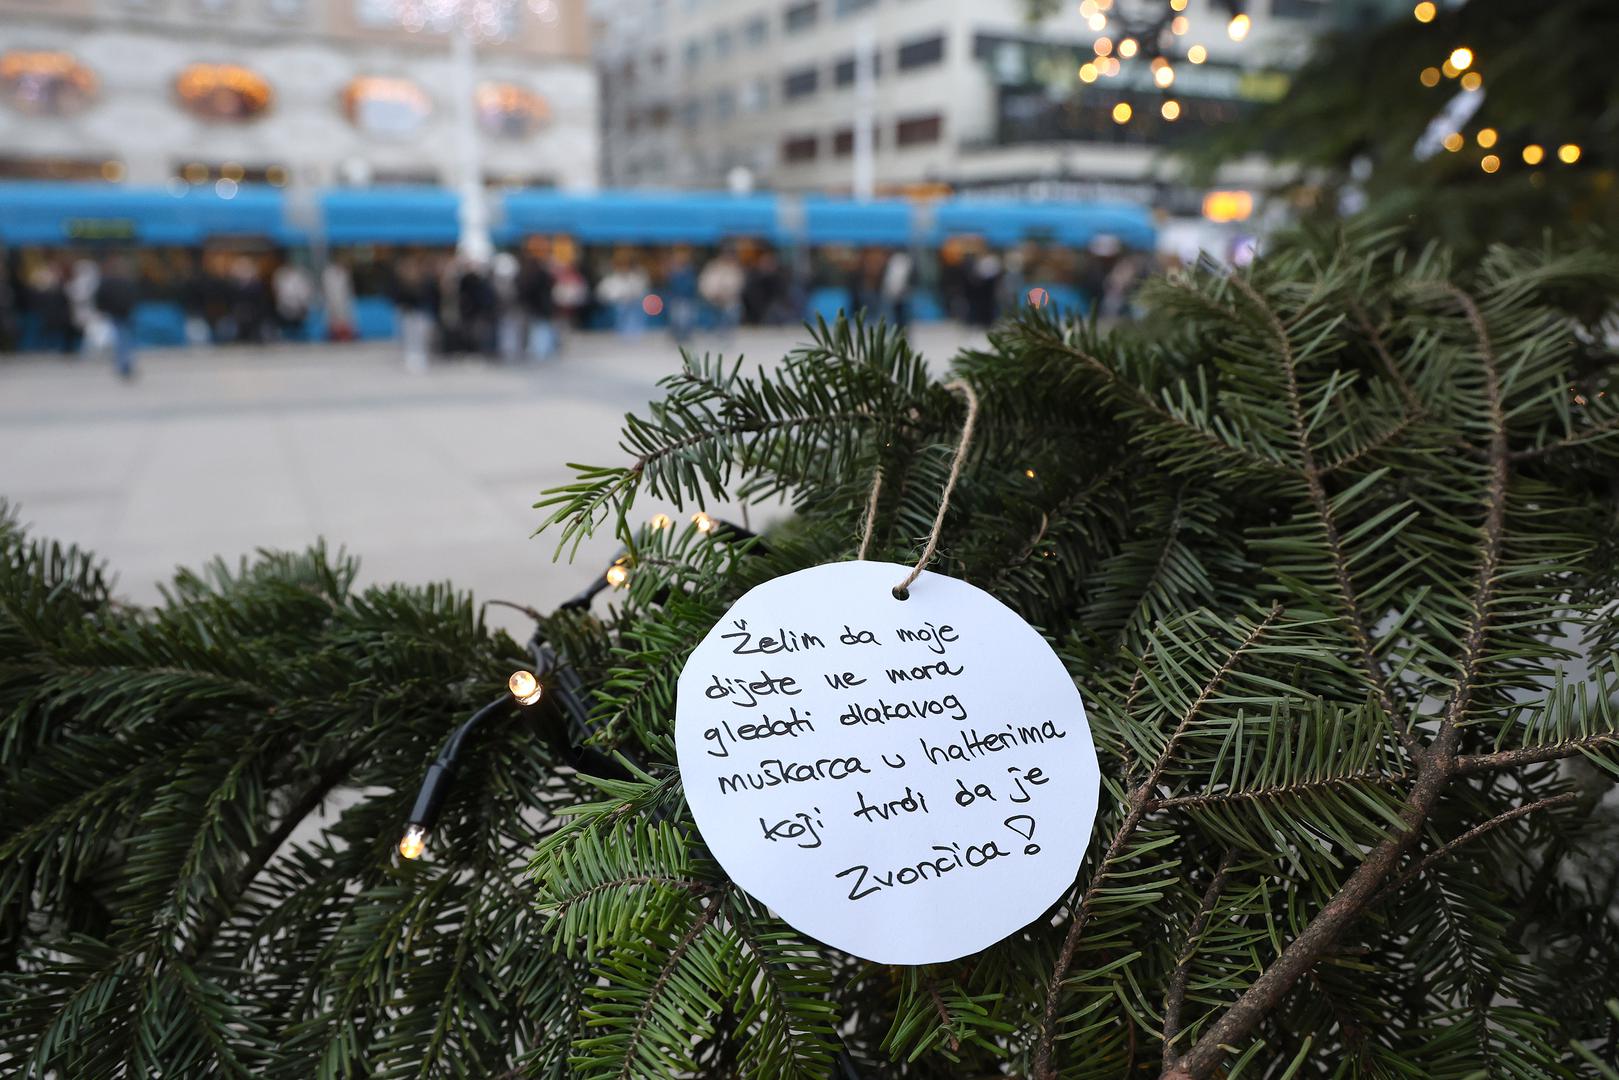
[(908, 781)]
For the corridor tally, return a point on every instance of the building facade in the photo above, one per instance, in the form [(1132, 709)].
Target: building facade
[(967, 94), (308, 92)]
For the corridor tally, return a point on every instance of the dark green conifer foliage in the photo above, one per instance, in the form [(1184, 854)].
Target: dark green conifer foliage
[(1328, 545)]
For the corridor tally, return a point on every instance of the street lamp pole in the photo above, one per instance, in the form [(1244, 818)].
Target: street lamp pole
[(474, 243)]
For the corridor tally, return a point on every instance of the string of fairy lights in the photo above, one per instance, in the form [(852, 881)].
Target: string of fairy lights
[(1462, 65), (550, 676)]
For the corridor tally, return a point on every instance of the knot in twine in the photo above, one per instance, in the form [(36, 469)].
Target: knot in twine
[(902, 590)]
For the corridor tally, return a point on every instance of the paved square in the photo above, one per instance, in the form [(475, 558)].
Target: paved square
[(425, 477)]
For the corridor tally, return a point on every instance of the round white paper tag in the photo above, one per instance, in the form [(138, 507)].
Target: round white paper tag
[(908, 781)]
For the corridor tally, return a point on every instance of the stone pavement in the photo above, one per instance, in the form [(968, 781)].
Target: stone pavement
[(425, 477)]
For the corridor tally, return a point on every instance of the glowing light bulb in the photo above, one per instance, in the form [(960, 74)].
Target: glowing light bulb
[(1127, 48), (414, 842), (1238, 27), (704, 523), (1533, 154), (1197, 54), (660, 521), (1425, 12), (1472, 81), (1429, 76), (1179, 25), (1450, 69), (1097, 22), (618, 574), (525, 687), (1164, 76), (1568, 153), (1121, 113), (1177, 5), (1454, 141), (1087, 8), (1103, 46), (1171, 109), (1486, 137), (1087, 73), (1029, 473), (1490, 163), (1461, 58)]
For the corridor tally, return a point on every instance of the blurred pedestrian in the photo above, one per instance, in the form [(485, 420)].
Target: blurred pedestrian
[(623, 291), (294, 293), (114, 301), (504, 271), (895, 290), (250, 300), (720, 284), (337, 296), (478, 307), (570, 294), (983, 289), (81, 284), (48, 296), (762, 289), (680, 295), (536, 292), (415, 293)]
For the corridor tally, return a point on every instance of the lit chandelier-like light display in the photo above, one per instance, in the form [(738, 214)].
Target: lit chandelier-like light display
[(485, 20), (1156, 33)]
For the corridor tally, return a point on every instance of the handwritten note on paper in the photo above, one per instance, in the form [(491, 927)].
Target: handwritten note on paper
[(909, 781)]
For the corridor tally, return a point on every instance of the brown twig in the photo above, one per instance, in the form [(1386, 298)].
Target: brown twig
[(1175, 1000), (1473, 834)]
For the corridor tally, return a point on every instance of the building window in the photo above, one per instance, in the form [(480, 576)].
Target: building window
[(724, 104), (843, 70), (850, 7), (655, 60), (801, 17), (385, 106), (919, 130), (223, 92), (799, 149), (843, 142), (756, 30), (45, 83), (923, 53), (755, 95), (509, 111), (800, 83), (694, 53), (287, 9), (722, 44), (691, 111)]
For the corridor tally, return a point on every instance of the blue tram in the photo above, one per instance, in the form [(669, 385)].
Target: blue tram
[(826, 246)]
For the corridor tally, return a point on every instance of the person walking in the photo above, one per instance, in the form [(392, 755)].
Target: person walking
[(115, 301), (337, 295), (536, 292), (680, 291), (720, 285), (294, 293), (895, 289)]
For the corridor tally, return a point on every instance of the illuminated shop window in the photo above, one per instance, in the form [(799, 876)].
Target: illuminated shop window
[(45, 83), (223, 92), (510, 111), (386, 105)]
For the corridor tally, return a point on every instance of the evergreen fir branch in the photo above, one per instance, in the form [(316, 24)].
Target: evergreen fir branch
[(1119, 846), (1434, 769)]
